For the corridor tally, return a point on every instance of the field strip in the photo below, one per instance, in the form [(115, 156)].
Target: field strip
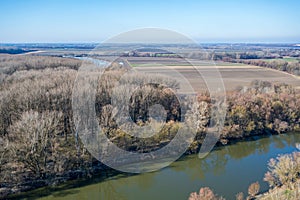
[(199, 67), (275, 70)]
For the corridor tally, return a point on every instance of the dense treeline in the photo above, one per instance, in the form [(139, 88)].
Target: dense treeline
[(38, 143), (14, 50), (262, 108), (253, 53), (12, 63)]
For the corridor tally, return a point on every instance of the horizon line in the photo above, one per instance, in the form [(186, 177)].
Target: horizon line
[(250, 42)]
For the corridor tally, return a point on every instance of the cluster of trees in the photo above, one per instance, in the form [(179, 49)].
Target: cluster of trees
[(38, 140), (37, 132), (262, 108), (12, 63), (283, 178), (36, 126)]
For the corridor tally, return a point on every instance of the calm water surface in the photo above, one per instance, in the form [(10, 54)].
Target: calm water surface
[(227, 170)]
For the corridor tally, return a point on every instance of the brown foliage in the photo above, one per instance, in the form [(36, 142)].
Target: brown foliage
[(9, 64), (284, 170), (34, 140), (262, 108), (204, 194), (239, 196), (253, 189)]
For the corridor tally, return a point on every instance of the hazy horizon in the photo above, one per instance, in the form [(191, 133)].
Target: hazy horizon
[(197, 42)]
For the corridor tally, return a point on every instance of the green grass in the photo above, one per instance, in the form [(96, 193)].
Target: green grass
[(185, 64), (145, 64), (287, 59)]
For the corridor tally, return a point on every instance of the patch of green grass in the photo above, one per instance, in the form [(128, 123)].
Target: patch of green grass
[(229, 64), (186, 64), (286, 59), (145, 65)]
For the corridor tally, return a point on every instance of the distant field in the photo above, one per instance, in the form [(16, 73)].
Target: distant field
[(233, 75), (156, 61), (187, 64), (287, 59)]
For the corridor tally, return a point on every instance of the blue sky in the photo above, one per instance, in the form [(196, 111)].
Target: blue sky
[(203, 21)]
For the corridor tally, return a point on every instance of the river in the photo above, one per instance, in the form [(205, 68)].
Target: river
[(227, 170), (97, 62)]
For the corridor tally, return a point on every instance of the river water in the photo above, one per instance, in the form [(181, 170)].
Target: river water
[(97, 62), (227, 170)]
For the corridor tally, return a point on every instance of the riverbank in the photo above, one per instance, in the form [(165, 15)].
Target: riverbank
[(80, 178), (187, 174)]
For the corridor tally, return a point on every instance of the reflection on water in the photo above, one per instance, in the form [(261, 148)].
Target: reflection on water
[(97, 62), (227, 170)]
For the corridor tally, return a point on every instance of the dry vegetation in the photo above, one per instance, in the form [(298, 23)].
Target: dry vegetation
[(284, 170), (12, 63), (283, 178), (253, 189), (205, 194), (38, 142)]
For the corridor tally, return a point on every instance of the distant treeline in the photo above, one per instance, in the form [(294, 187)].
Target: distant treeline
[(14, 50)]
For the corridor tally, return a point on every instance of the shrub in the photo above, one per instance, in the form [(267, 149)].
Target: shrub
[(239, 196), (284, 170), (253, 189), (204, 194)]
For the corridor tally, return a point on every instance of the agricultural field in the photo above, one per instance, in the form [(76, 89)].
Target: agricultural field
[(285, 59), (234, 75)]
